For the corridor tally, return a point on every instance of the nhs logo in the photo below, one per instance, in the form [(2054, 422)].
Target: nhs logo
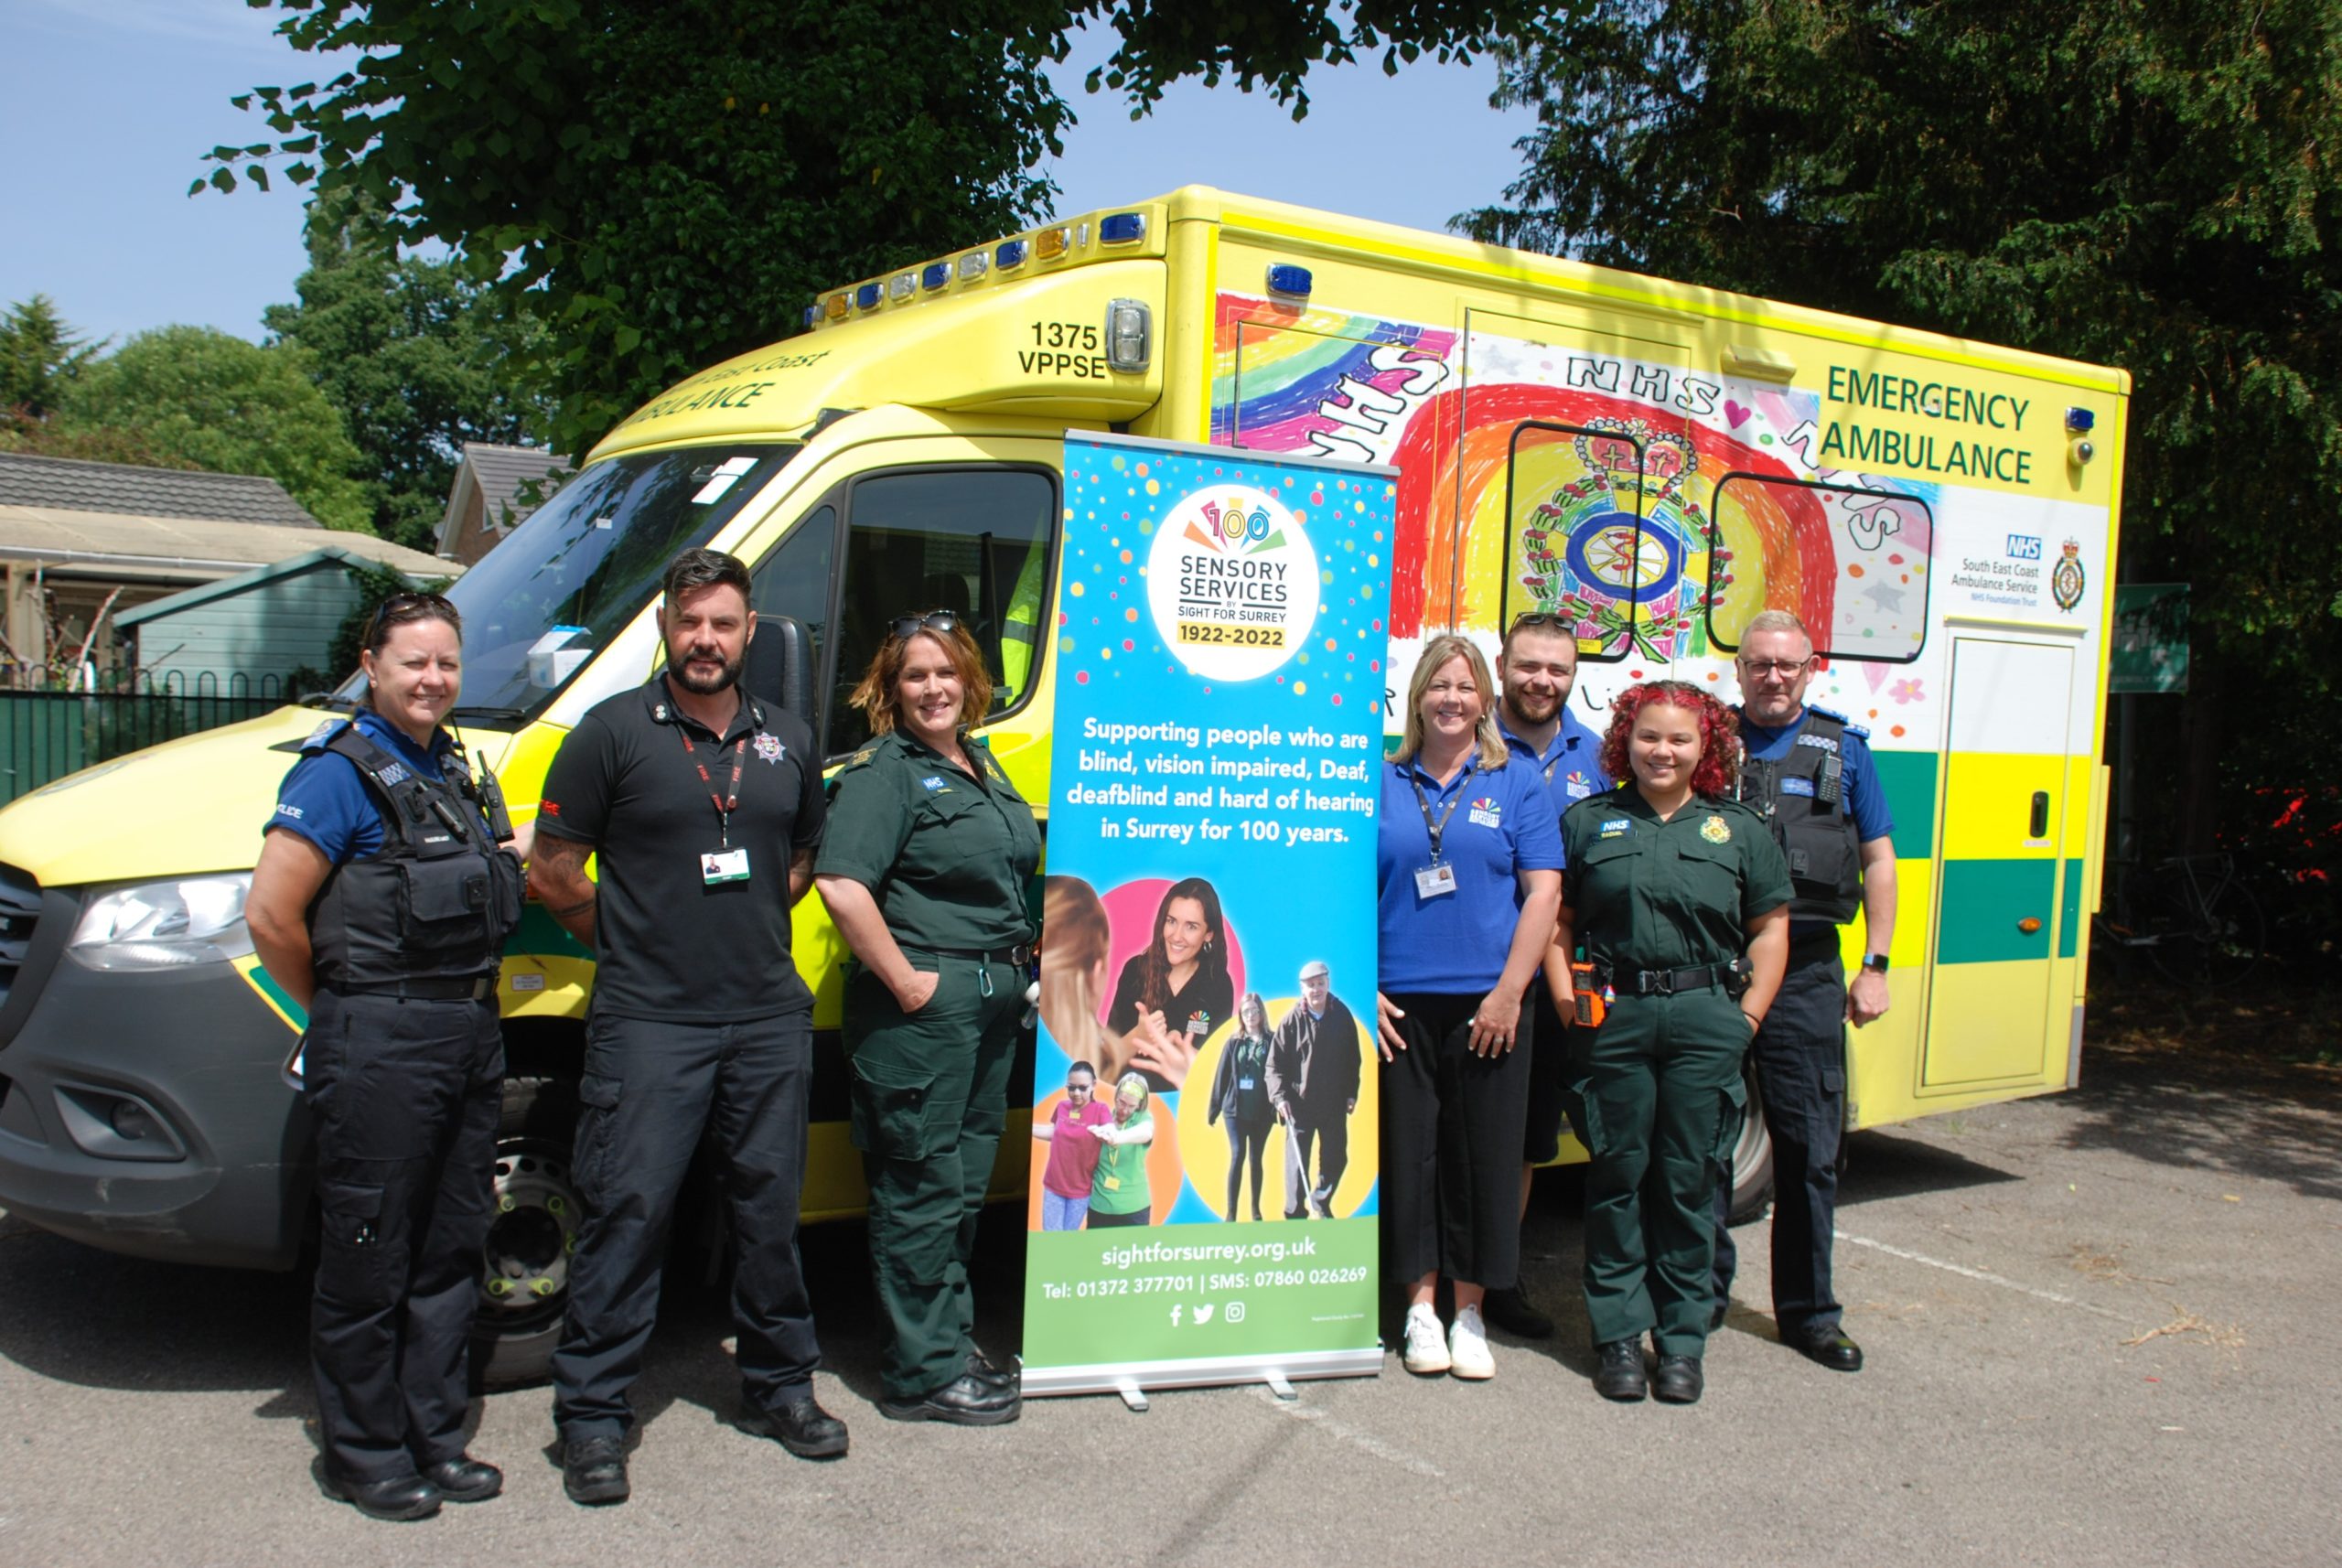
[(2024, 547)]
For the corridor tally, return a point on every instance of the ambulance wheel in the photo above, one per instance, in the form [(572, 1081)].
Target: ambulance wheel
[(524, 1283), (1752, 1161)]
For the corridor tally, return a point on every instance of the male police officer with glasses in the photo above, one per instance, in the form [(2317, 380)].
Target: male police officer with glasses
[(704, 805), (1810, 772)]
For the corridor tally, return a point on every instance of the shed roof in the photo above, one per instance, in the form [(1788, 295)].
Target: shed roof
[(434, 571), (177, 549), (70, 484)]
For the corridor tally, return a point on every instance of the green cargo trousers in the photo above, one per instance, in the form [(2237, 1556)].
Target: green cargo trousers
[(1661, 1099), (929, 1094)]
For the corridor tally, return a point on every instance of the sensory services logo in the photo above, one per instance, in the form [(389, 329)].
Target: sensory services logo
[(1232, 583)]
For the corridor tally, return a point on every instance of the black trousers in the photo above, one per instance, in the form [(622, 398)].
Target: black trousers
[(1451, 1129), (1800, 1056), (405, 1095), (1248, 1145), (1327, 1139), (652, 1089)]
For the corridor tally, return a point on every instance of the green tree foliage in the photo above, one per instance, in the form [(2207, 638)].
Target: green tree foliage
[(2146, 183), (218, 402), (667, 184), (38, 355), (410, 354)]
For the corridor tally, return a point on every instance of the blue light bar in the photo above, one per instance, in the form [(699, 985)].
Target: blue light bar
[(2081, 421), (934, 275), (1122, 229), (866, 297), (1011, 253), (812, 314), (1287, 278)]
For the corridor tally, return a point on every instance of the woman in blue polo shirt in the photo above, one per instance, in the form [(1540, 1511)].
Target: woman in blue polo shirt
[(388, 881), (1469, 858)]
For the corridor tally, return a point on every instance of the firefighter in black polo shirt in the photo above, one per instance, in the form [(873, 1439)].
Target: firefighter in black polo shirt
[(703, 805)]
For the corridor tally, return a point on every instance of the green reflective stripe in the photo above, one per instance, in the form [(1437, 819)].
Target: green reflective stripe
[(540, 933), (1909, 780), (1983, 902), (275, 993), (2070, 909)]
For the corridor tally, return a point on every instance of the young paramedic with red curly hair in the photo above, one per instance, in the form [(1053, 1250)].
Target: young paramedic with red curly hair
[(1678, 897)]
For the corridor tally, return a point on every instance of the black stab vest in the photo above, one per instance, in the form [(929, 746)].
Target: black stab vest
[(1816, 835), (436, 902)]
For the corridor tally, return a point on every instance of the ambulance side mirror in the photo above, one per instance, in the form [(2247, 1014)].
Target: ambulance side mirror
[(779, 666)]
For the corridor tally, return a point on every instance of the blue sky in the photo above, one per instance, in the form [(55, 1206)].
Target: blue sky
[(107, 104)]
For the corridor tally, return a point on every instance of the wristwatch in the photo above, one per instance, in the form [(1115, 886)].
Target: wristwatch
[(1875, 963)]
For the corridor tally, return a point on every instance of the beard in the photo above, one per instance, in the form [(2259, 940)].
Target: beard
[(705, 685), (1533, 708)]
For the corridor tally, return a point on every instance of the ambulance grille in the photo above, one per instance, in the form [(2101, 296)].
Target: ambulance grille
[(19, 913)]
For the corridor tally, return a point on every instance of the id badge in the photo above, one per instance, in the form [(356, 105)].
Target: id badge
[(1435, 881), (724, 866), (1245, 1084)]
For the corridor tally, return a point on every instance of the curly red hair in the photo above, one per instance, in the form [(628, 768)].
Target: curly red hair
[(1719, 764)]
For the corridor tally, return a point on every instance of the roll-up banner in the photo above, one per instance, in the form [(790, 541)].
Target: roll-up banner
[(1204, 1161)]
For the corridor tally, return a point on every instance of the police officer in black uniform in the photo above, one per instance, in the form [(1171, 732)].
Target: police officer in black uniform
[(703, 805), (381, 905), (1810, 773)]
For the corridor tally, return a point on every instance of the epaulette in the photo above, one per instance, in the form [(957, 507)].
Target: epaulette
[(322, 737), (1841, 720)]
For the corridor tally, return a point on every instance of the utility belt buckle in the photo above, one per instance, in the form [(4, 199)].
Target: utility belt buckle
[(1655, 983), (1020, 955)]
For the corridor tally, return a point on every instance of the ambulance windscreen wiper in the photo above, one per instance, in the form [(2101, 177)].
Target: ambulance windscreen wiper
[(492, 715)]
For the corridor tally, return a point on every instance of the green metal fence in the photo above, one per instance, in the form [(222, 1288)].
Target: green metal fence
[(44, 735)]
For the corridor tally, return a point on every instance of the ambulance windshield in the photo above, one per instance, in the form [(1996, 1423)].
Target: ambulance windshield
[(582, 566)]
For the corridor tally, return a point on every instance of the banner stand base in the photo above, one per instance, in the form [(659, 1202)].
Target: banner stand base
[(1131, 1380)]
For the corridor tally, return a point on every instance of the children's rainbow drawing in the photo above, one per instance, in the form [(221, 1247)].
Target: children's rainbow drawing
[(1621, 501)]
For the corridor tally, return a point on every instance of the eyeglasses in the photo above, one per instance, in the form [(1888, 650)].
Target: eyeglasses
[(1784, 667), (1080, 1088), (929, 620)]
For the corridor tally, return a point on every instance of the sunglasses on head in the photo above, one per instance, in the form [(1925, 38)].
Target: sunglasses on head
[(1538, 617), (931, 621)]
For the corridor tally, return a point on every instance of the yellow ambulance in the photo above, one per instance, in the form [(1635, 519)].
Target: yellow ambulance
[(1655, 462)]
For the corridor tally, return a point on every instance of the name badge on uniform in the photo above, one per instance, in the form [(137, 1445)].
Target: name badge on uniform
[(1435, 881), (724, 866), (1245, 1083)]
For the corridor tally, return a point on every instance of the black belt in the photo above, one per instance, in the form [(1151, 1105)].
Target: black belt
[(1668, 982), (1019, 956), (480, 988)]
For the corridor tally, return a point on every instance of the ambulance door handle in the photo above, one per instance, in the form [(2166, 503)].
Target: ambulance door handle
[(2040, 828)]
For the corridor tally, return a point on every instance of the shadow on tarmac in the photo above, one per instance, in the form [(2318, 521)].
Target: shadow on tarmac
[(2264, 1126)]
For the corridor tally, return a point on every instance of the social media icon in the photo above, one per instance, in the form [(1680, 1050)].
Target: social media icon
[(1234, 1313), (1203, 1311)]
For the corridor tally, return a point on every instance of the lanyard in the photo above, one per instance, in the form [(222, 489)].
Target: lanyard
[(726, 804), (1439, 828)]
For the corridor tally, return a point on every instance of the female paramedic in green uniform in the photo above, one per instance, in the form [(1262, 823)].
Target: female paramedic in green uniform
[(388, 881), (1680, 898), (924, 867)]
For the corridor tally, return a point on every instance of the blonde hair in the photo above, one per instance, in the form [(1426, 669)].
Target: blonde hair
[(1437, 655), (1074, 950)]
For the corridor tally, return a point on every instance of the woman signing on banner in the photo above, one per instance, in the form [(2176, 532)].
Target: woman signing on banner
[(1171, 997)]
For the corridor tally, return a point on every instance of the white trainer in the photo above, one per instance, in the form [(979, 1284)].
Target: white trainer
[(1426, 1351), (1467, 1346)]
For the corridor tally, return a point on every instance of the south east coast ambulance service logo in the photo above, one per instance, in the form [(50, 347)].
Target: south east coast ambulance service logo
[(1232, 583)]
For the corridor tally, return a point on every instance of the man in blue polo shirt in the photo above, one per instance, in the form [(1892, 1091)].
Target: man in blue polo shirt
[(1810, 772), (1536, 672)]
